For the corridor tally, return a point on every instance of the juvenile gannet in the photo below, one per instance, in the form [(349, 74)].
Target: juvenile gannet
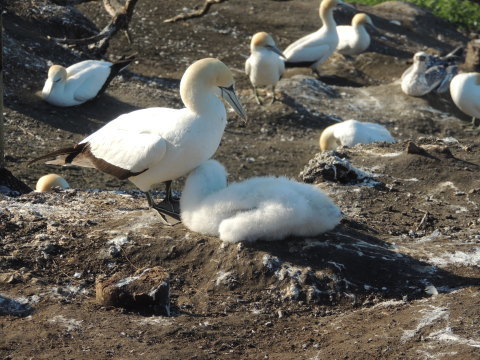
[(155, 145), (266, 208), (422, 78), (315, 48), (48, 182), (465, 92), (264, 66), (352, 132), (80, 82), (353, 40)]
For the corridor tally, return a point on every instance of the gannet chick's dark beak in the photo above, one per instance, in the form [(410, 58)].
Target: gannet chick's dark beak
[(228, 94)]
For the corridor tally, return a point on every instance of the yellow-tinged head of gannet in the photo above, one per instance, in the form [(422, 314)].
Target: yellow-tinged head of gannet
[(362, 19), (208, 75), (264, 40), (328, 141), (56, 74), (329, 4), (47, 182)]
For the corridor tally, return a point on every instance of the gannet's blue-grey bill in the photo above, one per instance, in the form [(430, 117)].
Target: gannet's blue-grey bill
[(228, 94), (275, 50)]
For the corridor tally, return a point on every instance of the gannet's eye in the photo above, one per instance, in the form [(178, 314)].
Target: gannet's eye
[(421, 58)]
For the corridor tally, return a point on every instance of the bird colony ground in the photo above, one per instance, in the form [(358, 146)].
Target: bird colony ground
[(397, 279)]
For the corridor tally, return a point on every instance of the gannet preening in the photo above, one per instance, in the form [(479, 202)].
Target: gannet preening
[(352, 132), (80, 82), (423, 77), (157, 145), (353, 40), (315, 48), (48, 182), (264, 67), (465, 92), (266, 208)]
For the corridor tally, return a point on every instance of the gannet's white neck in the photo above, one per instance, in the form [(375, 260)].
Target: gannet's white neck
[(326, 14), (198, 93)]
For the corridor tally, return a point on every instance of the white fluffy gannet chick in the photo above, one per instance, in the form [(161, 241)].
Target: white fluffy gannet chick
[(80, 82), (419, 79), (260, 208), (354, 39), (315, 48), (465, 92), (155, 145), (49, 181), (352, 132), (264, 67)]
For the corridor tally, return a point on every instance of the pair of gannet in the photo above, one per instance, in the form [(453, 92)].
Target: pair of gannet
[(352, 132), (315, 48), (266, 208), (50, 181), (353, 40), (428, 73), (80, 82), (155, 145), (264, 67), (465, 92)]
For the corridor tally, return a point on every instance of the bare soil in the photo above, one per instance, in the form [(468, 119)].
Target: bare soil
[(398, 279)]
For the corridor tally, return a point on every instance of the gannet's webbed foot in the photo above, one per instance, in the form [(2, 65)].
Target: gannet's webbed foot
[(168, 208), (476, 123)]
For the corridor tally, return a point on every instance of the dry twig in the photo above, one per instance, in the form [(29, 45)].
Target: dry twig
[(195, 13), (121, 16)]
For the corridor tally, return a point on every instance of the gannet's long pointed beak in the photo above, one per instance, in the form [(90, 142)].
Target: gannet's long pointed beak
[(228, 94), (275, 50), (47, 88)]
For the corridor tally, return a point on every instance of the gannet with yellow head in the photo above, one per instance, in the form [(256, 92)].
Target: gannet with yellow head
[(354, 39), (264, 67), (155, 145), (80, 82)]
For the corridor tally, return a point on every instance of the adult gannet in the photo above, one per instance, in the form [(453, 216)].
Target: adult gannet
[(266, 208), (315, 48), (422, 77), (353, 40), (155, 145), (80, 82), (465, 92), (264, 67), (352, 132), (49, 181)]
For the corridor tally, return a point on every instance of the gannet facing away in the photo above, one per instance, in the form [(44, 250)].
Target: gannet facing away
[(49, 181), (352, 132), (420, 79), (264, 67), (315, 48), (266, 208), (465, 92), (80, 82), (353, 40), (155, 145)]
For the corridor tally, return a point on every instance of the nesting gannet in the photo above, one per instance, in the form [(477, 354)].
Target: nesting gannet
[(315, 48), (264, 67), (465, 92), (353, 40), (352, 132), (266, 208), (80, 82), (155, 145), (47, 182), (423, 77)]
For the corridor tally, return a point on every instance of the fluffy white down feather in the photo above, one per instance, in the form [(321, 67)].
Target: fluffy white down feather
[(260, 208)]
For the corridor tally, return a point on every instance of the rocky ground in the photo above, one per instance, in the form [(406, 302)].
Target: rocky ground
[(398, 279)]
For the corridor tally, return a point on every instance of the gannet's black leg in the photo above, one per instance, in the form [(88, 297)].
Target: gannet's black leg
[(167, 207), (273, 95), (256, 95), (476, 122)]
